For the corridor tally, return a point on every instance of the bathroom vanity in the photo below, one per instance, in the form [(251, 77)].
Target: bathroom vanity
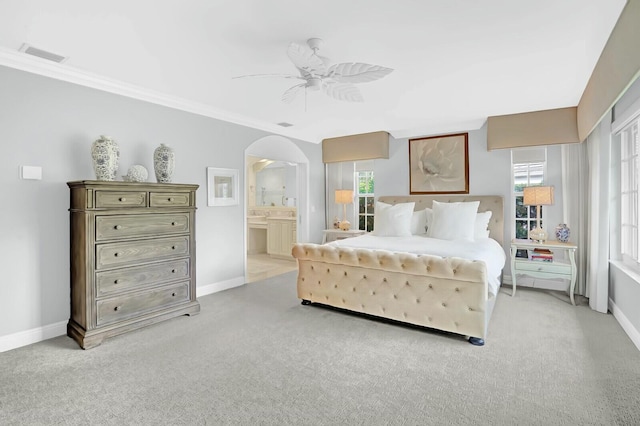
[(271, 230)]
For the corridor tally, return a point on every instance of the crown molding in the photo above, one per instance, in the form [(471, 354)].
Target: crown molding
[(63, 72)]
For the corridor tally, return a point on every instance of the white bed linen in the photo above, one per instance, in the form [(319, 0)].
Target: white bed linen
[(485, 249)]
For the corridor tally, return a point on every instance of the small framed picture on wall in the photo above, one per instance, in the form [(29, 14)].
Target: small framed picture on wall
[(222, 187)]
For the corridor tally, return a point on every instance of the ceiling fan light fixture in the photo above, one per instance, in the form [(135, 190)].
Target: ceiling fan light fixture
[(315, 43), (336, 81), (314, 83)]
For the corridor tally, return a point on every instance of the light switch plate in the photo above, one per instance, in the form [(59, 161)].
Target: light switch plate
[(31, 172)]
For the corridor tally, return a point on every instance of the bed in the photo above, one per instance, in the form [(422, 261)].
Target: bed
[(448, 285)]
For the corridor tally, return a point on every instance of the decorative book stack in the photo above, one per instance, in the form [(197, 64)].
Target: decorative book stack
[(541, 255)]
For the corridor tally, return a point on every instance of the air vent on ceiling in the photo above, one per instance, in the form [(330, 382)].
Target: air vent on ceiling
[(285, 124), (34, 51)]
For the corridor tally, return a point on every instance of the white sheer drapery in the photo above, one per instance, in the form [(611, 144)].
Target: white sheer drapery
[(600, 199), (575, 207), (587, 197)]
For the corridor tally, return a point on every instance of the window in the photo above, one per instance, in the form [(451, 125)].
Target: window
[(529, 167), (364, 179), (629, 203)]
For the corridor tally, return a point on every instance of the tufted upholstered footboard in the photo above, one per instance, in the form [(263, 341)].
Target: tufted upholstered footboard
[(449, 294)]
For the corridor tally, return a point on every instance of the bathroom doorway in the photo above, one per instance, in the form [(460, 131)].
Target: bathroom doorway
[(276, 206)]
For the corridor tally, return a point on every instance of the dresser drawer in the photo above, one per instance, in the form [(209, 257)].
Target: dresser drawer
[(132, 305), (169, 199), (121, 199), (553, 267), (138, 277), (114, 227), (128, 253)]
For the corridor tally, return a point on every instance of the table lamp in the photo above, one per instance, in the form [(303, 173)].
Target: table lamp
[(537, 196), (344, 197)]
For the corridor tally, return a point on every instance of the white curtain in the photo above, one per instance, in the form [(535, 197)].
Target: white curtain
[(575, 193), (587, 198), (600, 200)]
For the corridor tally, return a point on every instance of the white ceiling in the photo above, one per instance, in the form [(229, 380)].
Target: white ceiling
[(455, 62)]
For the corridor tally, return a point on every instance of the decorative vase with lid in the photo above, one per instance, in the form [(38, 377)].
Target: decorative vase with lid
[(163, 163), (562, 233), (106, 155)]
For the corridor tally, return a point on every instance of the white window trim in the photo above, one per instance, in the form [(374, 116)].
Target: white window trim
[(620, 254), (538, 157), (359, 195)]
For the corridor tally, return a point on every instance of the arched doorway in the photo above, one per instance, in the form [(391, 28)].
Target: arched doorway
[(270, 151)]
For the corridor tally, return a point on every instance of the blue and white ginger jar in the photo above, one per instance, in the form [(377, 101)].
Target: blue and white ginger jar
[(163, 163), (562, 233), (106, 155)]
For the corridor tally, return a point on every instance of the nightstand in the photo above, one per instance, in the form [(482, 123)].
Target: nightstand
[(329, 235), (543, 269)]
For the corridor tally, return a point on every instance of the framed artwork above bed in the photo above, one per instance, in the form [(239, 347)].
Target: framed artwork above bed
[(439, 164)]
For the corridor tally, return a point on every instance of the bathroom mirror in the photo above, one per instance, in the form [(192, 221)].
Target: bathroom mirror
[(274, 183)]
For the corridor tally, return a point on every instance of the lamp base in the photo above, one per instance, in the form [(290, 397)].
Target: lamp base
[(345, 225), (538, 235)]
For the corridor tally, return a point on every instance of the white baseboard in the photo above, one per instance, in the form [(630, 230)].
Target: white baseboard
[(626, 325), (219, 286), (35, 335)]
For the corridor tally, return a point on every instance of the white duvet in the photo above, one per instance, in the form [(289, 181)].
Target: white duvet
[(485, 249)]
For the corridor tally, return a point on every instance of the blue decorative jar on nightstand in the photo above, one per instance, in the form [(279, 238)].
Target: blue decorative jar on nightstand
[(562, 233)]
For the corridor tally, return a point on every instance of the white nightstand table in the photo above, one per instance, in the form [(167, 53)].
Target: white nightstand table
[(329, 235), (556, 269)]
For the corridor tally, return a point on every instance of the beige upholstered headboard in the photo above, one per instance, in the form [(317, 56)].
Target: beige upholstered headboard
[(494, 203)]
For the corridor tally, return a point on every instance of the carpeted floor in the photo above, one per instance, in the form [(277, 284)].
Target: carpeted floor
[(254, 355)]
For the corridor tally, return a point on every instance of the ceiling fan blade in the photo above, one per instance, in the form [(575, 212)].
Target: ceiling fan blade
[(269, 75), (343, 91), (291, 93), (306, 60), (357, 72)]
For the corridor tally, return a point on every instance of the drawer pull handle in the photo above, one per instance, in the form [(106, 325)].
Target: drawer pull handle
[(173, 294), (117, 227), (122, 199), (173, 247), (174, 223), (173, 271), (116, 254), (170, 199), (116, 281), (117, 308), (540, 268)]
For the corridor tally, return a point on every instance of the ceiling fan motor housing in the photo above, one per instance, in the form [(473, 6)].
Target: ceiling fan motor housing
[(314, 83)]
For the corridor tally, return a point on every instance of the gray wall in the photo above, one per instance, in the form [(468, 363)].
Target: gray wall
[(51, 124), (489, 174)]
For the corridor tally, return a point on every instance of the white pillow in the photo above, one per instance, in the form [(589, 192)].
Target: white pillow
[(429, 217), (453, 221), (392, 220), (482, 225), (419, 221)]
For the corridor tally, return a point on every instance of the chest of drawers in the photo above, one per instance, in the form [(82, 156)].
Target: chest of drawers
[(132, 257)]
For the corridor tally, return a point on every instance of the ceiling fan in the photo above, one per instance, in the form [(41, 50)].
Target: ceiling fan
[(337, 81)]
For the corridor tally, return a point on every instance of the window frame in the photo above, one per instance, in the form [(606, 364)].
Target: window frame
[(628, 190), (538, 163), (365, 199)]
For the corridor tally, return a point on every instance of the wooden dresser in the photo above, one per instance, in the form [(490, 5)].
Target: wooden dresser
[(132, 256)]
